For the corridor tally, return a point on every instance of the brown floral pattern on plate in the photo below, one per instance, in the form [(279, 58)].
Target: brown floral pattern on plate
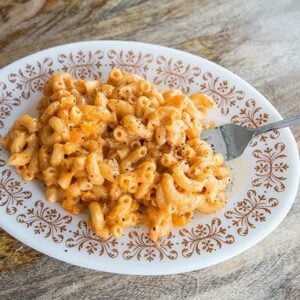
[(45, 221), (204, 238), (32, 77), (84, 238), (225, 95), (251, 210), (82, 64), (269, 167), (130, 61), (175, 74), (2, 161), (6, 103), (141, 247), (12, 194), (253, 116)]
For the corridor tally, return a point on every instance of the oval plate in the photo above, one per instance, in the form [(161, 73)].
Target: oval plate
[(265, 178)]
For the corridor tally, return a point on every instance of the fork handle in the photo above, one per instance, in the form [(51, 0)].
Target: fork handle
[(288, 122)]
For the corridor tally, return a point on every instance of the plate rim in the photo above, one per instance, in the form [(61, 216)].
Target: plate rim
[(188, 265)]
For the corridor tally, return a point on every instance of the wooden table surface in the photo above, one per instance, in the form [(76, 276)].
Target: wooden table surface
[(258, 40)]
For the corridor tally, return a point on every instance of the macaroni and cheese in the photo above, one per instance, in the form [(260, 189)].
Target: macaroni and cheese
[(124, 150)]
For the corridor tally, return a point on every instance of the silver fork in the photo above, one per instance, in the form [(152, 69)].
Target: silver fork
[(231, 140)]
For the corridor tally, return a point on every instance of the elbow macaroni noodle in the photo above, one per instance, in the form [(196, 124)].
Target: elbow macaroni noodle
[(125, 151)]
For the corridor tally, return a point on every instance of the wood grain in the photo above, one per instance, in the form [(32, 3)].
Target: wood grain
[(259, 41), (14, 254)]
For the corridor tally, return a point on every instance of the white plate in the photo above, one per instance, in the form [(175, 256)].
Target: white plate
[(265, 178)]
